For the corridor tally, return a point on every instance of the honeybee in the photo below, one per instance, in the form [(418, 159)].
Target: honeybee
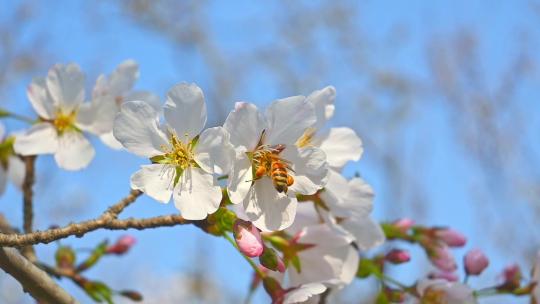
[(267, 161)]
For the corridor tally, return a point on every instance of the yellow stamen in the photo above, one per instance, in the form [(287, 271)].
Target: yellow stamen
[(306, 139), (63, 122), (179, 154), (434, 296)]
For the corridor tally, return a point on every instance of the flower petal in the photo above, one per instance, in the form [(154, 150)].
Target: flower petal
[(240, 179), (156, 181), (66, 86), (268, 209), (150, 98), (288, 119), (310, 169), (40, 99), (74, 151), (185, 110), (214, 152), (323, 102), (367, 232), (123, 78), (110, 141), (306, 215), (341, 145), (16, 171), (347, 198), (197, 194), (245, 124), (41, 138), (137, 127), (303, 293), (359, 200), (97, 116)]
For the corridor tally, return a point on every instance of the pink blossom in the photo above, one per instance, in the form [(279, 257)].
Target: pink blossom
[(442, 258), (451, 237), (512, 277), (397, 256), (448, 276), (403, 224), (122, 245), (248, 238), (475, 262)]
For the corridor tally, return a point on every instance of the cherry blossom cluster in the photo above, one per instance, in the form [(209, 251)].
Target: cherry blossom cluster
[(270, 181)]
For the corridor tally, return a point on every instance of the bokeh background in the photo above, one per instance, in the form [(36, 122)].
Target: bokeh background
[(445, 95)]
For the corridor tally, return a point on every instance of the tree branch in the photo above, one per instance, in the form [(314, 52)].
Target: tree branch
[(28, 208), (117, 208), (34, 280), (80, 229)]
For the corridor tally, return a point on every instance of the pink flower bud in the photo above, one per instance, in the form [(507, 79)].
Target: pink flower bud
[(442, 258), (248, 238), (448, 276), (403, 224), (451, 237), (122, 245), (512, 277), (475, 262), (397, 256)]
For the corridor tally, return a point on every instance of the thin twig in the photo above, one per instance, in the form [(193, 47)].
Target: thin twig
[(117, 208), (28, 208), (80, 229)]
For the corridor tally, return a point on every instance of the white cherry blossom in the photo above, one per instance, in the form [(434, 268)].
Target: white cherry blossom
[(270, 169), (325, 254), (340, 145), (119, 87), (185, 159), (332, 259), (58, 100), (347, 202), (350, 203), (442, 291)]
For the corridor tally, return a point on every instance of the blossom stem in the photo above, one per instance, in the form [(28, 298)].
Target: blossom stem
[(28, 208), (386, 278), (489, 291), (18, 117), (466, 279), (250, 261)]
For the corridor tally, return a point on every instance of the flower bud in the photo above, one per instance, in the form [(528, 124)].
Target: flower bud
[(441, 257), (451, 237), (397, 256), (403, 224), (475, 262), (271, 260), (274, 289), (448, 276), (122, 245), (65, 257), (512, 278), (132, 295), (248, 238)]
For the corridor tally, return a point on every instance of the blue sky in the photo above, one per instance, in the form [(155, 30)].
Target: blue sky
[(98, 42)]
